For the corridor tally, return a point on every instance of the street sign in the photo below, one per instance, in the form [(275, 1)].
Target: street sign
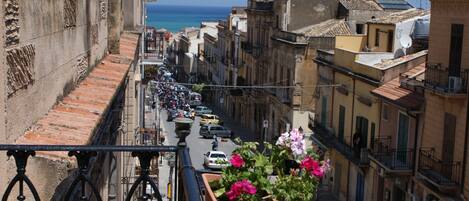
[(265, 124)]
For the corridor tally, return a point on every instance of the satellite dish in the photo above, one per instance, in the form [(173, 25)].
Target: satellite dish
[(406, 42)]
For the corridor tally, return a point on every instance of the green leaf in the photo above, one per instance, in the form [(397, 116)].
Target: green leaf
[(269, 169), (219, 192)]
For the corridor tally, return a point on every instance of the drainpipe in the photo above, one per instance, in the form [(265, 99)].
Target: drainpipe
[(417, 126), (465, 148)]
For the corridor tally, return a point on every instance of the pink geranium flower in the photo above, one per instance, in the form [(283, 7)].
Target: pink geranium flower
[(312, 166), (237, 161), (241, 187)]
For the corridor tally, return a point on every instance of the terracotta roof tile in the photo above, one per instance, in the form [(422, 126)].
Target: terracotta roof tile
[(360, 5), (73, 120), (404, 97), (397, 17), (328, 28)]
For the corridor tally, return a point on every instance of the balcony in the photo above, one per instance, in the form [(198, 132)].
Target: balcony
[(85, 184), (393, 161), (439, 80), (358, 157), (444, 175)]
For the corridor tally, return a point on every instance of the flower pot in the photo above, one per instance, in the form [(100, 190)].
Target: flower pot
[(209, 195)]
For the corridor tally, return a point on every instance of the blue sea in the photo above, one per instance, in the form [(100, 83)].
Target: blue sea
[(174, 18)]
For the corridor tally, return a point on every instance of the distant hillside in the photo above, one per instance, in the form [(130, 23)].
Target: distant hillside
[(417, 3)]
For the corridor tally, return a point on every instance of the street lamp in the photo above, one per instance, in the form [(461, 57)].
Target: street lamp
[(182, 129)]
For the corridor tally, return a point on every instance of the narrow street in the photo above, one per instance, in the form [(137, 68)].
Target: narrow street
[(198, 145)]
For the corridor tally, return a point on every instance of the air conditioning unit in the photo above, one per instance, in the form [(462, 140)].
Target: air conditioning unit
[(454, 84)]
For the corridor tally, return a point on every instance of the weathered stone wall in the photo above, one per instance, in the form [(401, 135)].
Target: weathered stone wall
[(49, 49), (308, 12), (132, 14)]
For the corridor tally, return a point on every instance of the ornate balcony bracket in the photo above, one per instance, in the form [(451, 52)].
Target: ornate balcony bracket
[(83, 159), (145, 160), (21, 159)]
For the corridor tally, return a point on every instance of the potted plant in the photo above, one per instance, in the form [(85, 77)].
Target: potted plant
[(284, 171)]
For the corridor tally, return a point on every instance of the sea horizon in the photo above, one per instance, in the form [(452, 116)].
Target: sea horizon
[(174, 18)]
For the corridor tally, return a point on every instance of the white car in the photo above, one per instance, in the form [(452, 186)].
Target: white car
[(215, 160)]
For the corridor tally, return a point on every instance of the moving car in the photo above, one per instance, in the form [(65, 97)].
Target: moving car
[(215, 160), (195, 99), (210, 119), (172, 114), (208, 131), (200, 110)]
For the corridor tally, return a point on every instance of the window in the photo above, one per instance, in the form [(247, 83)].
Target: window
[(377, 38), (455, 54), (385, 112), (359, 28), (341, 123), (390, 40), (449, 137)]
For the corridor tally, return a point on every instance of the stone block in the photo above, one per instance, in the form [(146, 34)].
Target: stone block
[(20, 72), (70, 13), (12, 27)]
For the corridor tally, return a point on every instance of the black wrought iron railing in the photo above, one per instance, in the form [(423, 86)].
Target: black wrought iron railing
[(393, 158), (446, 173), (83, 187), (358, 155), (440, 79)]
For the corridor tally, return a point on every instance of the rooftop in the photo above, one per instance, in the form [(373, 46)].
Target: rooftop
[(73, 120), (402, 96), (397, 17), (385, 60), (360, 5), (394, 4), (329, 28)]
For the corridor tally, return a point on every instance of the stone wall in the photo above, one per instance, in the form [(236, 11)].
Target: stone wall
[(132, 13), (308, 12), (49, 49)]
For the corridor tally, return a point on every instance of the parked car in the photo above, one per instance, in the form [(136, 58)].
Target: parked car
[(200, 110), (215, 160), (210, 119), (208, 131)]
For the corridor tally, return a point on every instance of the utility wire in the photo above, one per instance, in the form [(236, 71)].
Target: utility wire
[(254, 86)]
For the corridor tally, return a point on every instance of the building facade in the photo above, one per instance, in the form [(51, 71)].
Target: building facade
[(349, 115), (442, 158), (57, 54)]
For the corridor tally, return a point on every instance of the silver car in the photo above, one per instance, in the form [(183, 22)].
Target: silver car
[(200, 110), (209, 130), (215, 160)]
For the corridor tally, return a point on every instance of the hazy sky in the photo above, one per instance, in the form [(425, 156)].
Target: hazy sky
[(416, 3), (203, 2)]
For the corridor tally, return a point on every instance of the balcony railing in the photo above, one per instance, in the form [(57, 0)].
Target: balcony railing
[(442, 174), (439, 79), (358, 156), (84, 187), (392, 159)]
